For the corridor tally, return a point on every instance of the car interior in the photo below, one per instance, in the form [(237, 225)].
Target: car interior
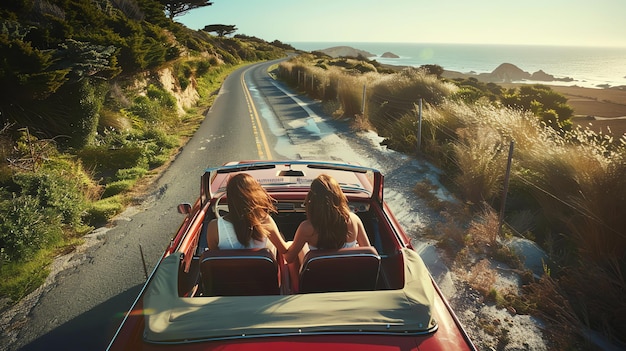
[(249, 272)]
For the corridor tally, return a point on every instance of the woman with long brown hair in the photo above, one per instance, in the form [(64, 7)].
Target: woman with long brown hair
[(330, 224), (248, 223)]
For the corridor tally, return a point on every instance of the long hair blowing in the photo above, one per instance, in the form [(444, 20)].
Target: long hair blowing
[(327, 210), (249, 204)]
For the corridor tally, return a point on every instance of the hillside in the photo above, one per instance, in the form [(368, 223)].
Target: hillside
[(102, 94), (346, 51)]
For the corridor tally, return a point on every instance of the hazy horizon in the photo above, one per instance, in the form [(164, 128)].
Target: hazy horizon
[(532, 22), (346, 43)]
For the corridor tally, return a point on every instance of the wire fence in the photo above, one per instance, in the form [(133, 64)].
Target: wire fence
[(395, 105)]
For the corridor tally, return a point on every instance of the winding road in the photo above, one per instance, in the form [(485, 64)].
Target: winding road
[(82, 305), (253, 117)]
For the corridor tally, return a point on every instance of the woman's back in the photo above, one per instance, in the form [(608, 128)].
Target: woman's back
[(330, 224), (228, 237), (248, 223)]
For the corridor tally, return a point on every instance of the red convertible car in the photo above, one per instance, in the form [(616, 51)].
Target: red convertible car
[(380, 297)]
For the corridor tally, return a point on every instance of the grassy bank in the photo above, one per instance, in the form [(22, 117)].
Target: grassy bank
[(102, 95), (566, 192), (51, 197)]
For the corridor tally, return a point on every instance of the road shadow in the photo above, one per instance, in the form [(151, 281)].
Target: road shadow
[(91, 330)]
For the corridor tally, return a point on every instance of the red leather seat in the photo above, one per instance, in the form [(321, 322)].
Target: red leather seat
[(239, 272), (347, 269)]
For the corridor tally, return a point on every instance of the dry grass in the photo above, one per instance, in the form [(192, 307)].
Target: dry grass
[(570, 182), (483, 232), (555, 309), (481, 277)]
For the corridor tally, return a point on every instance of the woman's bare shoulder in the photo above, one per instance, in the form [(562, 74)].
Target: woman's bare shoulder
[(354, 218), (306, 229), (306, 224)]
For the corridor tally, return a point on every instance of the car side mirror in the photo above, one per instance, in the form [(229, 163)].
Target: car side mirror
[(184, 208)]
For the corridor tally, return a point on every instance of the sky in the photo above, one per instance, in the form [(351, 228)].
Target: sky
[(516, 22)]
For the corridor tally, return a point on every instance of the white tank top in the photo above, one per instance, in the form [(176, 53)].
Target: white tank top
[(228, 237), (345, 246)]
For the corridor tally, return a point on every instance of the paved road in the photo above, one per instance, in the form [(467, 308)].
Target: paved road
[(254, 117), (86, 302)]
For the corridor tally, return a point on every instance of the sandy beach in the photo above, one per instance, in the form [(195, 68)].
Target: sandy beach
[(600, 109)]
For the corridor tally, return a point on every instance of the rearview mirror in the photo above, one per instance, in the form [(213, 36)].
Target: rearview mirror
[(184, 208)]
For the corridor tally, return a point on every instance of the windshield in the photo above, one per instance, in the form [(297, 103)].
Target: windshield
[(296, 176)]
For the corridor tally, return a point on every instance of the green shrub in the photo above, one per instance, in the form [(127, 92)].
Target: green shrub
[(158, 146), (159, 160), (183, 73), (146, 109), (203, 66), (101, 211), (402, 135), (25, 227), (163, 97), (117, 187), (157, 108), (467, 94), (544, 102), (55, 192), (130, 173), (104, 160)]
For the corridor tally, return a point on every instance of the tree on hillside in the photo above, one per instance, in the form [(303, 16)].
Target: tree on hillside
[(433, 69), (220, 29), (175, 8)]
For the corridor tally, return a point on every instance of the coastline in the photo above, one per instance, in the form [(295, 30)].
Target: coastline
[(599, 108), (603, 110)]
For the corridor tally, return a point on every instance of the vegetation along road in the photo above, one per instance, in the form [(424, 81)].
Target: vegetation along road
[(82, 308)]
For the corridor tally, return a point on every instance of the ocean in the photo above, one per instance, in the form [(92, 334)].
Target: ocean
[(589, 66)]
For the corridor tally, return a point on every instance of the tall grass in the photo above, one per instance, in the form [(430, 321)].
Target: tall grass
[(568, 184), (574, 185), (329, 83), (390, 97), (573, 178)]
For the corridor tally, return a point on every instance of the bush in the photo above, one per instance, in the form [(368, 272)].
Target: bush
[(544, 102), (392, 96), (203, 66), (105, 161), (130, 173), (161, 96), (25, 227), (58, 193), (146, 109), (183, 73), (42, 208), (157, 146), (157, 108), (101, 211), (117, 187)]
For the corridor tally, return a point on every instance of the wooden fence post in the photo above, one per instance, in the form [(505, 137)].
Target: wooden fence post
[(505, 190), (419, 127), (363, 101)]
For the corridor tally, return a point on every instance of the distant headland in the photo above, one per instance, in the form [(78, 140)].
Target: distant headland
[(605, 107), (505, 73)]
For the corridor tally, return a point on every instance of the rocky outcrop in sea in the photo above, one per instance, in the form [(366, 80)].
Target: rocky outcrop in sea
[(507, 73), (346, 51)]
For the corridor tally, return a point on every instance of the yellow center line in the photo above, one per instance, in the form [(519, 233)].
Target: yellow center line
[(259, 134)]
